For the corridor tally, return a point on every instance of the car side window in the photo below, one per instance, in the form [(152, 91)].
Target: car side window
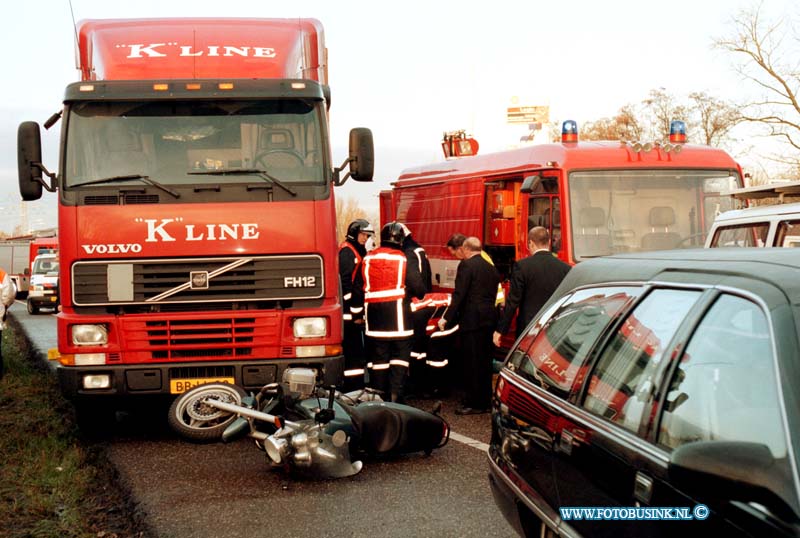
[(788, 234), (551, 354), (742, 235), (725, 387), (622, 381)]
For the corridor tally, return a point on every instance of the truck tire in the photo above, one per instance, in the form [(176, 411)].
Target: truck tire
[(195, 420), (32, 308)]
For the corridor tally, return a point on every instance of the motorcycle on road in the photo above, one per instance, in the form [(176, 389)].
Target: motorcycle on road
[(311, 430)]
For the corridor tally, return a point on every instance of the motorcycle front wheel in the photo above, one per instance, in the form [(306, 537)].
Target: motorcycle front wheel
[(193, 418)]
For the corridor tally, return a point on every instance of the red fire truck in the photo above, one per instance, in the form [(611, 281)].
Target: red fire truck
[(196, 208), (595, 198), (42, 245)]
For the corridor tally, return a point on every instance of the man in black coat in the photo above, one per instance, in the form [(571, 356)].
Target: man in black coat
[(473, 309), (533, 281)]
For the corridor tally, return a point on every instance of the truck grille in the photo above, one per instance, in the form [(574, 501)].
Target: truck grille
[(206, 338), (176, 281)]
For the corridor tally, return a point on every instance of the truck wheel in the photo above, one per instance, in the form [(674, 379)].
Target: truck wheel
[(192, 418), (32, 308)]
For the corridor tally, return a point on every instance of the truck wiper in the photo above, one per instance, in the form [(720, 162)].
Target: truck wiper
[(246, 172), (115, 179)]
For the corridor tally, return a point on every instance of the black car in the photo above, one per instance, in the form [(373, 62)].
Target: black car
[(656, 395)]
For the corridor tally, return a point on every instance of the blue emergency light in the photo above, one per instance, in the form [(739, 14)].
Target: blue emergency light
[(569, 131), (677, 132)]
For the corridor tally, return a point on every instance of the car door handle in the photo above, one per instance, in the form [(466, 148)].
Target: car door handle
[(642, 488)]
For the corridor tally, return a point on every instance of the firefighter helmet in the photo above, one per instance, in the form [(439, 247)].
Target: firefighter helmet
[(392, 234), (358, 226)]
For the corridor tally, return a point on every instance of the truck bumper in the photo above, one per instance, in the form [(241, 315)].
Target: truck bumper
[(169, 379)]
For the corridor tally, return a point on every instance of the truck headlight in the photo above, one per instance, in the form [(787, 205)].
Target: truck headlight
[(89, 335), (310, 327)]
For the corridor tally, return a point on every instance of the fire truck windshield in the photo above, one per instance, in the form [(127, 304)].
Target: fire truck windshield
[(615, 211), (175, 142)]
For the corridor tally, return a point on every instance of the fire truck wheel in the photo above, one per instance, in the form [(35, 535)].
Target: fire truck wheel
[(193, 418), (32, 308)]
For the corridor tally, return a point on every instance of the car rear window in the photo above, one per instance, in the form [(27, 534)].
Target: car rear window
[(551, 354)]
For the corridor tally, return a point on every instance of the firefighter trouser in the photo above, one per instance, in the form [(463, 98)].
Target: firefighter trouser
[(419, 349), (440, 347), (389, 367), (477, 367), (354, 356)]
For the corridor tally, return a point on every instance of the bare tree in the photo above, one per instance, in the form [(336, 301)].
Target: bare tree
[(348, 210), (766, 57), (623, 126), (714, 117), (660, 108)]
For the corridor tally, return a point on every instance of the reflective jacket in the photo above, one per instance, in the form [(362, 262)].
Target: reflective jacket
[(8, 292), (350, 255), (388, 280)]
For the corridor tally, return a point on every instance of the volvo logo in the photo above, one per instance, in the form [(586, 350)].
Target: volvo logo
[(198, 280)]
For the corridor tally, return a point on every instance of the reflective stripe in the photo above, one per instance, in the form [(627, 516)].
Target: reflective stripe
[(384, 366), (354, 372), (347, 296), (437, 364), (419, 305), (444, 333), (347, 317), (419, 355), (398, 362), (385, 334), (355, 310), (419, 257), (385, 294)]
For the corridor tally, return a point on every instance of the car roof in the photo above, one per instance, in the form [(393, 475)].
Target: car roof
[(756, 270), (758, 211)]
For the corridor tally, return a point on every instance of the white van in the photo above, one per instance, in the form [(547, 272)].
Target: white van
[(775, 225)]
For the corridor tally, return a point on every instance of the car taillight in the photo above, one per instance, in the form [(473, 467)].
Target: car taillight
[(501, 392)]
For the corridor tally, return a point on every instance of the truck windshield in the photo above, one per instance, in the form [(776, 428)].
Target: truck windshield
[(640, 210), (42, 266), (173, 143)]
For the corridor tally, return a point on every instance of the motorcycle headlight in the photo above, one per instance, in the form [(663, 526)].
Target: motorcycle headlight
[(89, 335), (310, 327), (277, 449)]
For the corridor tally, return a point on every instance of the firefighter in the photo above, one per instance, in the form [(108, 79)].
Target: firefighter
[(419, 313), (389, 279), (351, 253), (7, 294)]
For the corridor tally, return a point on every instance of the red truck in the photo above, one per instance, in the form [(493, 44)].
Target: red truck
[(595, 198), (196, 206)]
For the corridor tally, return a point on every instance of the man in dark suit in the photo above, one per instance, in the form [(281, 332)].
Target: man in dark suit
[(533, 281), (473, 309)]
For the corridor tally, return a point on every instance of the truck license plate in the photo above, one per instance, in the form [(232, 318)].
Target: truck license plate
[(179, 386)]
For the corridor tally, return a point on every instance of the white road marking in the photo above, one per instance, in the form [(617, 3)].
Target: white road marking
[(469, 441)]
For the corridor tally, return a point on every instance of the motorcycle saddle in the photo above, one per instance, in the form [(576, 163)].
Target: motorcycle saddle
[(385, 427)]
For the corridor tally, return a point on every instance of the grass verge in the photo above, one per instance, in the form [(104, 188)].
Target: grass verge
[(51, 483)]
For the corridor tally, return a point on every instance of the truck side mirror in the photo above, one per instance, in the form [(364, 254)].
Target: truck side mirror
[(530, 183), (29, 159), (362, 154)]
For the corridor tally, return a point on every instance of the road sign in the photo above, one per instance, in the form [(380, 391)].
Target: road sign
[(528, 114)]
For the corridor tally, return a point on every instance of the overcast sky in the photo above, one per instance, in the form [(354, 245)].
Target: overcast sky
[(410, 70)]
